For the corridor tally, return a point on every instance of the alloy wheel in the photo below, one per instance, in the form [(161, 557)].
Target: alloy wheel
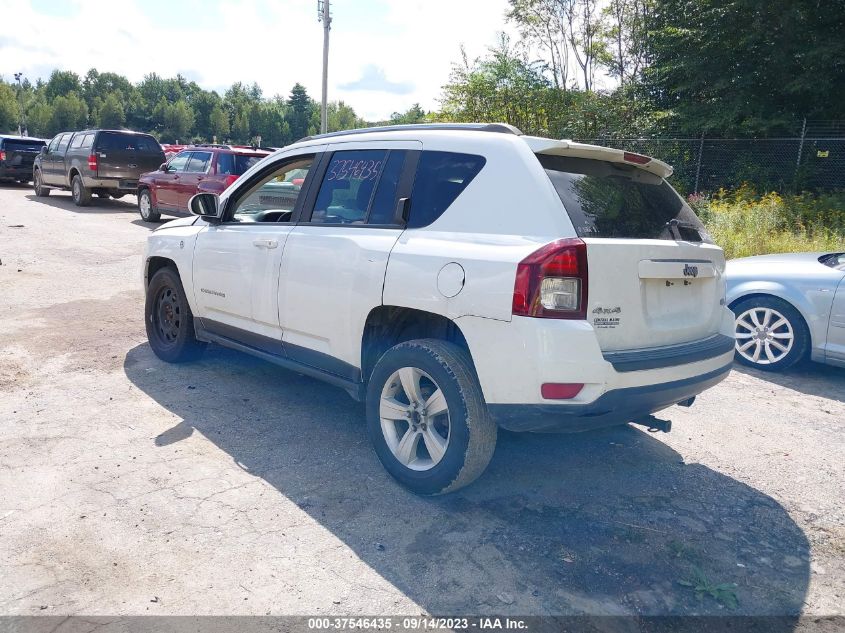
[(763, 335), (414, 419)]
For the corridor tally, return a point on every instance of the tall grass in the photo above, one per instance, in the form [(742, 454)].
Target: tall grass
[(745, 223)]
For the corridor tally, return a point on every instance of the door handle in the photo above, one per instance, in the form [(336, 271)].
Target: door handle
[(265, 243)]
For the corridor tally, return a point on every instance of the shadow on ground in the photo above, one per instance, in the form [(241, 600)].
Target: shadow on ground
[(609, 522), (815, 379), (62, 200)]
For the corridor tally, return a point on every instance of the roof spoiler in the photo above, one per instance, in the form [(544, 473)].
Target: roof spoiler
[(565, 147)]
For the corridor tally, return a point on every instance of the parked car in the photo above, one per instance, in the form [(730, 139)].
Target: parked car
[(105, 162), (171, 149), (17, 154), (199, 168), (788, 307), (457, 278)]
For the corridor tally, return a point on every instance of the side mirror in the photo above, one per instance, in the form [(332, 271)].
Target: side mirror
[(163, 167), (206, 205), (43, 150)]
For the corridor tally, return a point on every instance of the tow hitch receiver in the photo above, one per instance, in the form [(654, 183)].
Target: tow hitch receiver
[(653, 424)]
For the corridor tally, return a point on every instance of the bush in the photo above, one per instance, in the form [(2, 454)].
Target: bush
[(745, 223)]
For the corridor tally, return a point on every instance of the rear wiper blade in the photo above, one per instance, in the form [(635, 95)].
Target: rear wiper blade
[(675, 224)]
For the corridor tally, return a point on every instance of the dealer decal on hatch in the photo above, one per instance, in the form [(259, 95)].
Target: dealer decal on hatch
[(606, 318)]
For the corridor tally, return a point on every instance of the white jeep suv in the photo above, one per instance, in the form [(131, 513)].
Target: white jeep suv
[(456, 278)]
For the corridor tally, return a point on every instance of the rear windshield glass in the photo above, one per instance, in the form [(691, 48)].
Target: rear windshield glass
[(16, 145), (235, 164), (606, 199), (116, 141), (834, 260)]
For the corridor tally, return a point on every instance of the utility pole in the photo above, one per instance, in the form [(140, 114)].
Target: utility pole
[(25, 131), (324, 15)]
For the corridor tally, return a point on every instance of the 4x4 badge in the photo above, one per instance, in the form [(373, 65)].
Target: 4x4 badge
[(690, 271)]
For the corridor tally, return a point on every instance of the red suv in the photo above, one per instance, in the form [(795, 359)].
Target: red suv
[(196, 169)]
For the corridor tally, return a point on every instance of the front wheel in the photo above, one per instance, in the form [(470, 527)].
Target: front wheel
[(145, 207), (169, 320), (770, 334), (80, 193), (38, 185), (427, 418)]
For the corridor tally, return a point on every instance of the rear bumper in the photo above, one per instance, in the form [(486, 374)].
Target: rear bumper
[(126, 185), (613, 407)]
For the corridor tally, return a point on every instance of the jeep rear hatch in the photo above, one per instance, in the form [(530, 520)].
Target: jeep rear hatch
[(655, 278)]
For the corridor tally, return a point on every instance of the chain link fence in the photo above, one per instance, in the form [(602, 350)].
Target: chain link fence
[(814, 161)]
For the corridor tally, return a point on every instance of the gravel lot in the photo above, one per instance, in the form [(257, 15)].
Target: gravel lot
[(231, 486)]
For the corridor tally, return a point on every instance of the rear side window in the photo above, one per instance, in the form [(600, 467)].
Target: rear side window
[(87, 141), (441, 178), (76, 143), (63, 142), (605, 199), (235, 164)]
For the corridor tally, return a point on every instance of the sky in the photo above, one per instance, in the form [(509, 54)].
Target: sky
[(385, 55)]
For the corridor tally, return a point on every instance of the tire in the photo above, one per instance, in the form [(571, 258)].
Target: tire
[(38, 185), (80, 193), (169, 320), (776, 348), (465, 432), (145, 207)]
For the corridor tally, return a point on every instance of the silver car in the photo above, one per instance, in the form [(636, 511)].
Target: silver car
[(788, 307)]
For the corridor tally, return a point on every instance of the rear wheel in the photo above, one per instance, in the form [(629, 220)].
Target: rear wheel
[(169, 320), (38, 185), (80, 193), (427, 418), (146, 208), (770, 333)]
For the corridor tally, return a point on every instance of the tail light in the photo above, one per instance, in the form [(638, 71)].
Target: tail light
[(551, 282), (92, 162), (229, 181), (2, 155)]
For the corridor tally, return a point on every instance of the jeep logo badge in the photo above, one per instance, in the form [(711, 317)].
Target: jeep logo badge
[(690, 271)]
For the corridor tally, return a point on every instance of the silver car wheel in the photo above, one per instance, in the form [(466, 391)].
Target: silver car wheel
[(414, 419), (763, 335), (144, 205)]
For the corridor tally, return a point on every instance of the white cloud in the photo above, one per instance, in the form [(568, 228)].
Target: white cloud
[(271, 42)]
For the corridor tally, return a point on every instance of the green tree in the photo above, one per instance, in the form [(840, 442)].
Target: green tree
[(300, 111), (173, 120), (62, 83), (240, 127), (69, 113), (218, 124), (39, 116), (111, 114), (414, 114), (746, 67), (341, 116), (9, 108)]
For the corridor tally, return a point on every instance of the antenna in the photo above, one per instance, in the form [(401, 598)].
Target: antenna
[(324, 15)]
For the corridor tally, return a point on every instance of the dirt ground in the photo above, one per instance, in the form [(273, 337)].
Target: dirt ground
[(231, 486)]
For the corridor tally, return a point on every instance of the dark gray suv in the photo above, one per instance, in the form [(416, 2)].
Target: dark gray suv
[(106, 162)]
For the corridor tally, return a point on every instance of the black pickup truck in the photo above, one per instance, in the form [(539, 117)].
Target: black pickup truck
[(17, 154), (105, 162)]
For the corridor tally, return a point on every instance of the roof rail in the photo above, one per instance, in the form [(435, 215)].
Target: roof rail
[(217, 145), (503, 128)]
